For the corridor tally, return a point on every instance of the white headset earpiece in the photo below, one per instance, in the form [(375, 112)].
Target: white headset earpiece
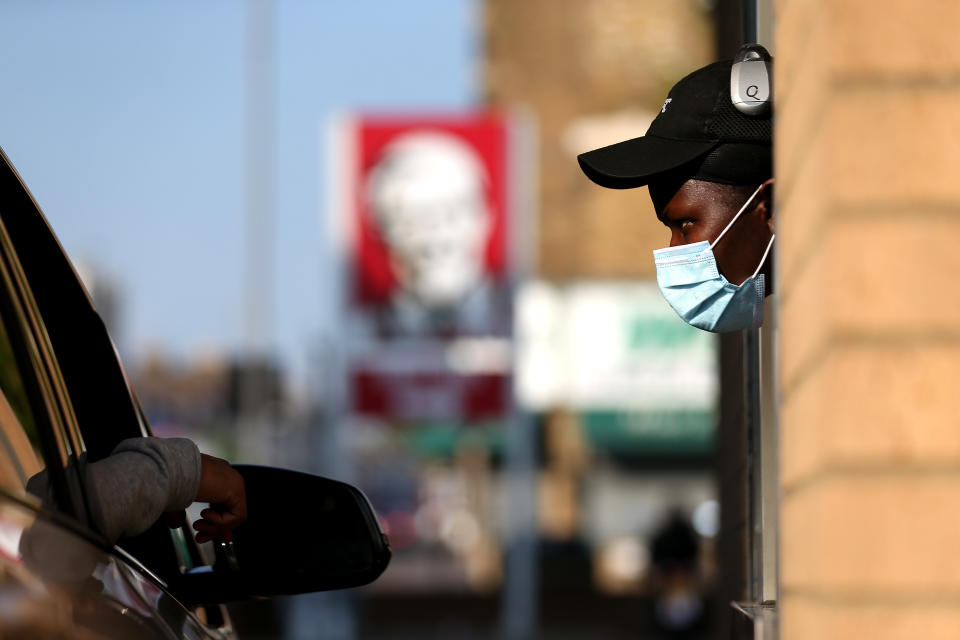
[(751, 81)]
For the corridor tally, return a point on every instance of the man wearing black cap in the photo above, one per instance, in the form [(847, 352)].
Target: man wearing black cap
[(709, 170)]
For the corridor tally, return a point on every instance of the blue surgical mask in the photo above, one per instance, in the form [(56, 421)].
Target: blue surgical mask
[(691, 282)]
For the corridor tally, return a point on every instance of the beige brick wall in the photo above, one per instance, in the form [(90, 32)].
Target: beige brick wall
[(868, 221)]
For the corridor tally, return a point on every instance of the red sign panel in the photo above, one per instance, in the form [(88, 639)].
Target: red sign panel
[(428, 203)]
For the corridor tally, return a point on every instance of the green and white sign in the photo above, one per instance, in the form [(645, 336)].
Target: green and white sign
[(616, 353)]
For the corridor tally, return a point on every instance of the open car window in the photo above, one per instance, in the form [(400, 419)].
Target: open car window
[(94, 379), (98, 397), (36, 454)]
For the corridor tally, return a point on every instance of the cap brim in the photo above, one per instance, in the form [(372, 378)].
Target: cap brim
[(633, 163)]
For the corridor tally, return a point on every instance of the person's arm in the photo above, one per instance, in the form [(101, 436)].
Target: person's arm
[(140, 480), (143, 478)]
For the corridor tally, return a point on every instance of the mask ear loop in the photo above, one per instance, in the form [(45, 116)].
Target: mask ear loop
[(734, 219), (765, 254)]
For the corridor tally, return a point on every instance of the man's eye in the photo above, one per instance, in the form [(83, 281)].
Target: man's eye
[(685, 225)]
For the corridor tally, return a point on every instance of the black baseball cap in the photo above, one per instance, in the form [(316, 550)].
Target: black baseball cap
[(699, 129)]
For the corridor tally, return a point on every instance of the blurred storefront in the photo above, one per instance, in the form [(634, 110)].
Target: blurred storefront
[(552, 452), (602, 359), (427, 340), (534, 425)]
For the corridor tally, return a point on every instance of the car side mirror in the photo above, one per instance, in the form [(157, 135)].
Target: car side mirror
[(303, 533)]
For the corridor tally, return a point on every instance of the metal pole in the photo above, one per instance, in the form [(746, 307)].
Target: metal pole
[(255, 382), (748, 13), (259, 175), (751, 415), (751, 401), (521, 587)]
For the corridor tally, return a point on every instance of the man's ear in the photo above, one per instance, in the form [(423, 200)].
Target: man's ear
[(765, 203)]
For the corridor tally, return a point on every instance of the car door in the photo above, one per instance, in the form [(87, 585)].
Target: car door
[(66, 398)]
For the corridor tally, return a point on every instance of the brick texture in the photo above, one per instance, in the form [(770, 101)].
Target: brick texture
[(891, 405), (803, 619), (904, 143), (889, 274), (802, 33), (805, 313), (873, 534), (868, 224), (898, 36)]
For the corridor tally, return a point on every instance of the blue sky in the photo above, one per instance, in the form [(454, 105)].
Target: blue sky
[(125, 119)]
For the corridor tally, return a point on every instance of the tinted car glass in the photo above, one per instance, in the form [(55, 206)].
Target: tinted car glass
[(95, 381), (20, 454), (96, 385)]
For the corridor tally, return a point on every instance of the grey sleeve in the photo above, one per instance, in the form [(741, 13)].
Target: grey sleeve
[(139, 481)]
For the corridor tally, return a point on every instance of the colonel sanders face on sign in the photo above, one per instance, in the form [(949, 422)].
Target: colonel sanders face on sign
[(428, 197)]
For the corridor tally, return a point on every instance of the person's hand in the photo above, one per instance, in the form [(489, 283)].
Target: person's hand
[(222, 486)]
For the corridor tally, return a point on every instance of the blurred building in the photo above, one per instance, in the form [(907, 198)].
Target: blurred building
[(619, 452), (209, 397), (593, 73), (176, 392), (425, 343), (604, 467)]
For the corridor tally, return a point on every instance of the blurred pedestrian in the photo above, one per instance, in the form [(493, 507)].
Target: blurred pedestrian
[(679, 607)]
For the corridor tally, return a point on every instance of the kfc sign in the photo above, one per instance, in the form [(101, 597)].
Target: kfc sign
[(429, 224), (430, 311)]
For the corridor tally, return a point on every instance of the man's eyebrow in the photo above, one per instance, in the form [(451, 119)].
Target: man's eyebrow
[(664, 214)]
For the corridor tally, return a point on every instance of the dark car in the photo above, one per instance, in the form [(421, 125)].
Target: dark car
[(65, 401)]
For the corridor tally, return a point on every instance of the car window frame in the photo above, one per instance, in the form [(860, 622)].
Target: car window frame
[(92, 374), (157, 545), (54, 422)]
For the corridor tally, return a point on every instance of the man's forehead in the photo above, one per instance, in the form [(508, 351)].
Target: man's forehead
[(663, 190), (691, 197)]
